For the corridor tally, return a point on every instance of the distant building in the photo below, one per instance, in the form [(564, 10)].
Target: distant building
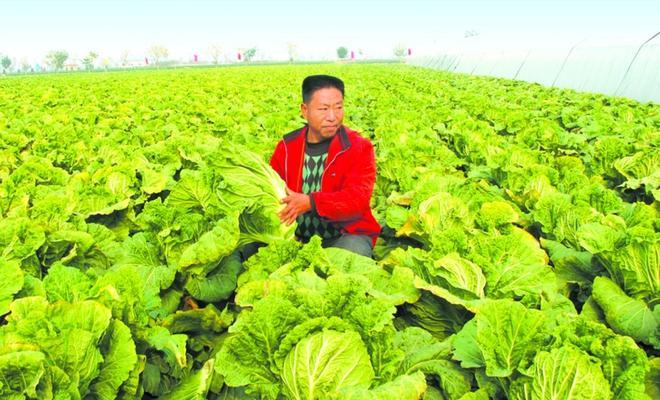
[(72, 66)]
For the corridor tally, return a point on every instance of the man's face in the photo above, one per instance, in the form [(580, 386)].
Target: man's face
[(324, 114)]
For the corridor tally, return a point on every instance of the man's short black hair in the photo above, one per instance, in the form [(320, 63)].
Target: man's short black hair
[(315, 82)]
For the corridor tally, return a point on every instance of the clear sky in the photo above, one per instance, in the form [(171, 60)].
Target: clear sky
[(31, 28)]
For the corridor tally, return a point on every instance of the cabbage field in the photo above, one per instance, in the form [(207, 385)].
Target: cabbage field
[(519, 257)]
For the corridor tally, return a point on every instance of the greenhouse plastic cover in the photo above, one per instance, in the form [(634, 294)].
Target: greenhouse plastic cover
[(629, 70)]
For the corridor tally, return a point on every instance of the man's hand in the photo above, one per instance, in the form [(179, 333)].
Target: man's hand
[(296, 204)]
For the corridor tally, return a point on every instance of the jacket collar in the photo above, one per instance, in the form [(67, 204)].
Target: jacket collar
[(343, 138)]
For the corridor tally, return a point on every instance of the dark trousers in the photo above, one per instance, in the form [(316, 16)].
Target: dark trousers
[(359, 244)]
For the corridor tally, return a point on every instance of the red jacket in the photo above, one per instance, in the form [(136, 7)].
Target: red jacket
[(347, 181)]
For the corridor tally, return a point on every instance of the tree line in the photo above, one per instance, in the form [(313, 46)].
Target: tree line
[(156, 55)]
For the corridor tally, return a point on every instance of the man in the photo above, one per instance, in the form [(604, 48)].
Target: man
[(330, 172)]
